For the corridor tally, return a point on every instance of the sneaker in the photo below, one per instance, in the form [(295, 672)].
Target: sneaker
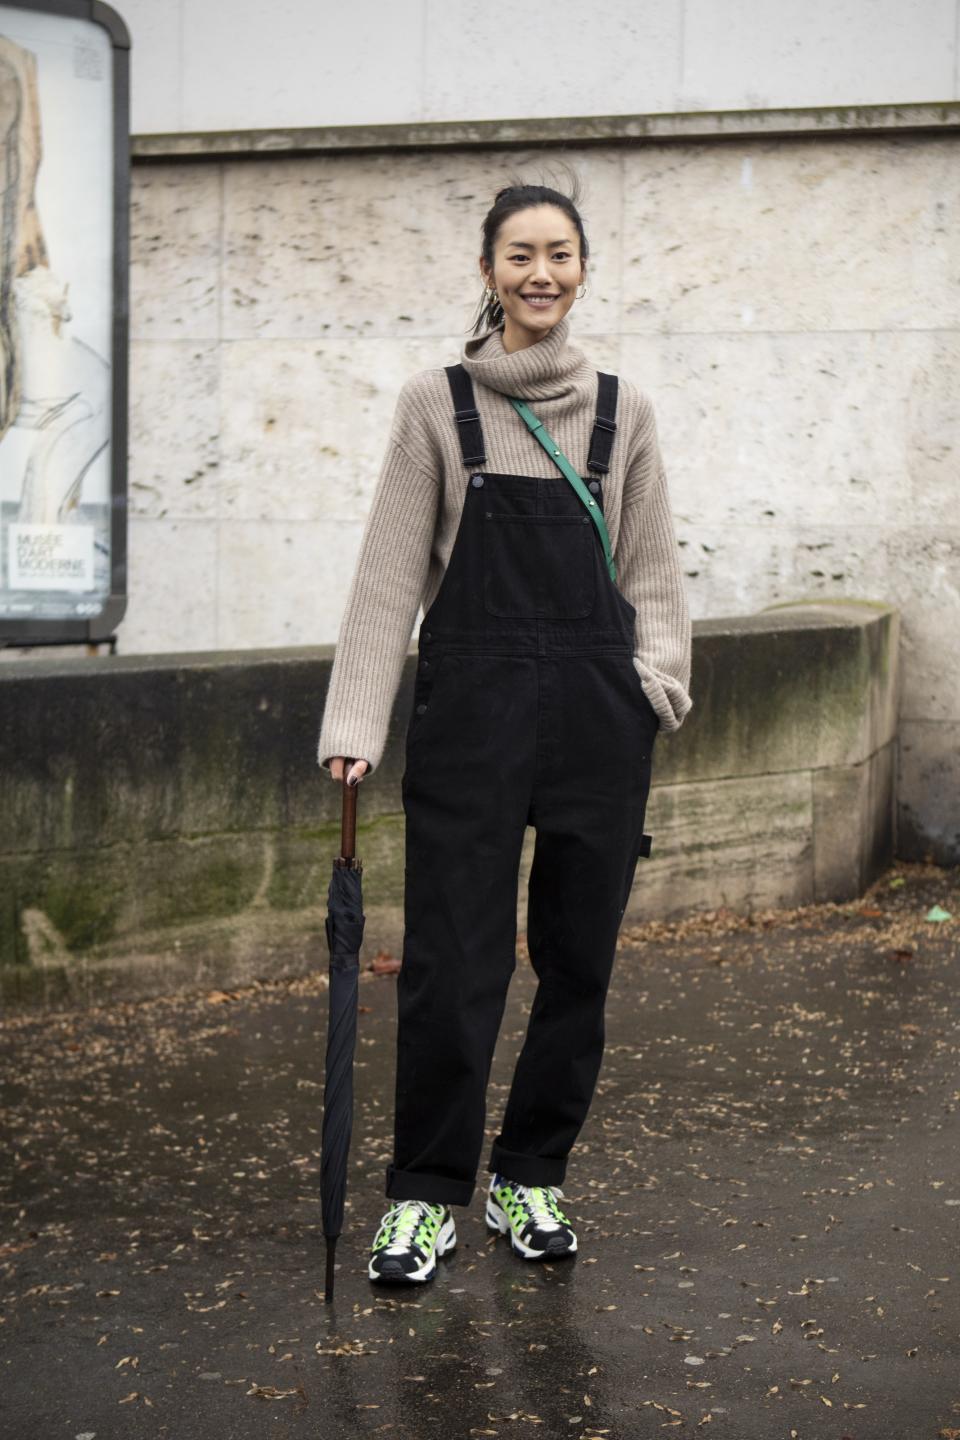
[(411, 1235), (538, 1228)]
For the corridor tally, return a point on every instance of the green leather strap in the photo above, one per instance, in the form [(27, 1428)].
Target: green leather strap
[(536, 429)]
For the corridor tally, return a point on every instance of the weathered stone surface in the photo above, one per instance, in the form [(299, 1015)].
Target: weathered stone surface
[(212, 909), (315, 557), (804, 430), (152, 747), (318, 249), (172, 603), (175, 464), (175, 240), (777, 235), (744, 843), (172, 805), (297, 66), (928, 822), (305, 426), (795, 687), (854, 839), (788, 304)]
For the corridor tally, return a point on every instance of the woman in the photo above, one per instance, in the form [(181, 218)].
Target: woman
[(540, 688)]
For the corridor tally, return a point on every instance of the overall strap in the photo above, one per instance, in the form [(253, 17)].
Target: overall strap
[(538, 432), (605, 424), (467, 416)]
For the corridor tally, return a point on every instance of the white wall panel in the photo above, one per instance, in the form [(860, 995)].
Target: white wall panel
[(215, 65)]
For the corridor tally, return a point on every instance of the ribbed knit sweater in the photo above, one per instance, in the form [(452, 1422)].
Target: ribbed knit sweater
[(418, 502)]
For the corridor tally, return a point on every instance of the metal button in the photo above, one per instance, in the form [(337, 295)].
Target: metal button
[(594, 487), (476, 481), (428, 636), (424, 664), (421, 709)]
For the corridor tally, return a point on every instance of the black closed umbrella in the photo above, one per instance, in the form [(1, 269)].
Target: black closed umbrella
[(344, 933)]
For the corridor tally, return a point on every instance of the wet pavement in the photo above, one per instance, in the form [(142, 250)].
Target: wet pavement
[(766, 1194)]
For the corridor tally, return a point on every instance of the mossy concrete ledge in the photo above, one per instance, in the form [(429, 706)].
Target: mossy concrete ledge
[(164, 824)]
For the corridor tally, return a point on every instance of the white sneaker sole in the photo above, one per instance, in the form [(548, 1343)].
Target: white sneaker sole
[(446, 1241), (498, 1220)]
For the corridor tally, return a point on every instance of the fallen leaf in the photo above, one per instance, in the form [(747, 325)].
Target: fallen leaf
[(269, 1392)]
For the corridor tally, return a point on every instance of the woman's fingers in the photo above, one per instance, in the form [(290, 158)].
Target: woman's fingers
[(354, 775), (357, 771)]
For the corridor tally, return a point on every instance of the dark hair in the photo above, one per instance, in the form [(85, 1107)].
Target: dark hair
[(507, 202)]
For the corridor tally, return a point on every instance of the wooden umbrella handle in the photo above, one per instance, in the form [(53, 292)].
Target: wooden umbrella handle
[(348, 820)]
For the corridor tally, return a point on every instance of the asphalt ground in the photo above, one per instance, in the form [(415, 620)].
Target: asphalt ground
[(766, 1195)]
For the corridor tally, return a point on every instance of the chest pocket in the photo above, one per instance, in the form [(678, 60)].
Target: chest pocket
[(538, 566)]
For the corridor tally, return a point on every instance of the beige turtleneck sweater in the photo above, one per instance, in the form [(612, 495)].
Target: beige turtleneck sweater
[(416, 510)]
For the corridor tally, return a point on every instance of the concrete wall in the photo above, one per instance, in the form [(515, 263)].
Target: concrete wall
[(215, 65), (792, 307), (163, 822)]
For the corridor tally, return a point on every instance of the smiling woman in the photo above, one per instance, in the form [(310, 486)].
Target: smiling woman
[(534, 259), (547, 667)]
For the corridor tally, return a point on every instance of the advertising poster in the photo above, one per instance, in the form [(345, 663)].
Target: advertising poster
[(62, 481)]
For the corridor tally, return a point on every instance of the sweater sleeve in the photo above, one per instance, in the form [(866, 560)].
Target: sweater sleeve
[(383, 599), (650, 575)]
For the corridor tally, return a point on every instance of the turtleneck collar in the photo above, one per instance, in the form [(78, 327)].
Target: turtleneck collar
[(547, 370)]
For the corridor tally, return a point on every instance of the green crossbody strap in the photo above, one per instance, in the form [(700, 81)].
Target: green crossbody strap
[(537, 430)]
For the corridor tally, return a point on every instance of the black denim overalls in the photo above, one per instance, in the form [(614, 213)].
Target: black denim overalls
[(527, 711)]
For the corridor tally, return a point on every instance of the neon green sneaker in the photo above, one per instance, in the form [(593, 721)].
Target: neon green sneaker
[(537, 1226), (410, 1236)]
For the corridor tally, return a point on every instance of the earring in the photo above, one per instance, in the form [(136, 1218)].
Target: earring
[(492, 295), (583, 296)]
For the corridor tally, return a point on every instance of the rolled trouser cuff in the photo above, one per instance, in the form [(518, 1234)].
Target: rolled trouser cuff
[(526, 1169), (422, 1185)]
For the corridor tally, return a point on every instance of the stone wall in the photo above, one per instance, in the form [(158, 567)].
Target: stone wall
[(219, 65), (791, 306), (163, 822)]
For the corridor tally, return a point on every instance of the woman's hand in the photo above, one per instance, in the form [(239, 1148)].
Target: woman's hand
[(356, 773)]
